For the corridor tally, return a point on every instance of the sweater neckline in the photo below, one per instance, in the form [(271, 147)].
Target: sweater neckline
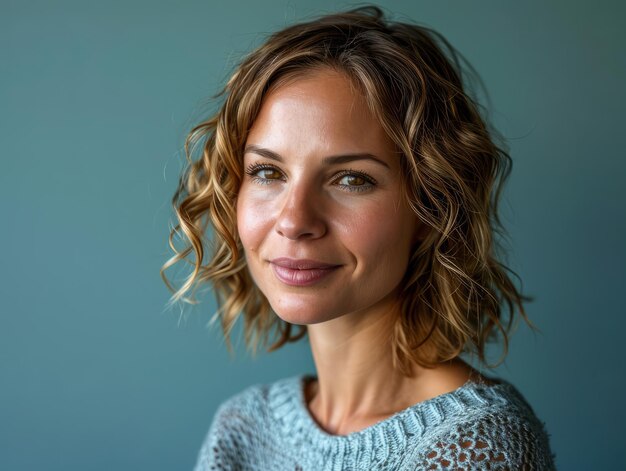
[(394, 442), (289, 407)]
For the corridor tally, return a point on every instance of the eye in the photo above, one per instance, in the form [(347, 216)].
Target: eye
[(263, 173), (352, 180)]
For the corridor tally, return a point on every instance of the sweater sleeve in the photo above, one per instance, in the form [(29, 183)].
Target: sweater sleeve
[(228, 438), (237, 437), (213, 454), (496, 441)]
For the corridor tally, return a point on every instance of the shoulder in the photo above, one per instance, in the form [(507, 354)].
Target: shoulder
[(249, 400), (239, 422), (255, 402), (495, 429)]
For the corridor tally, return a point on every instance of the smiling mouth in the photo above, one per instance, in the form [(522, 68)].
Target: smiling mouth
[(301, 272)]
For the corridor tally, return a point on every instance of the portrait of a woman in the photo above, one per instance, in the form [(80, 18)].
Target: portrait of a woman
[(347, 192)]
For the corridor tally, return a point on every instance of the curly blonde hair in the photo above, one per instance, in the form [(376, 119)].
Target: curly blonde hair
[(455, 289)]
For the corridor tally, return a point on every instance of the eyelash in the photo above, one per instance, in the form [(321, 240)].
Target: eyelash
[(253, 169)]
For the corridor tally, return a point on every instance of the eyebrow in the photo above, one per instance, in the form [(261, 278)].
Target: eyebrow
[(330, 160)]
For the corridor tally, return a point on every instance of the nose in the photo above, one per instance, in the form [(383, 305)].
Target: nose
[(301, 216)]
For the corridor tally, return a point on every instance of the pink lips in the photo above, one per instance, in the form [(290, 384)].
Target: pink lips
[(301, 272)]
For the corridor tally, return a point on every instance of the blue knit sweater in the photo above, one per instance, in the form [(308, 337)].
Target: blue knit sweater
[(477, 426)]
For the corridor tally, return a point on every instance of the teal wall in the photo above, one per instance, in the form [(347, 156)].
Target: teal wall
[(95, 100)]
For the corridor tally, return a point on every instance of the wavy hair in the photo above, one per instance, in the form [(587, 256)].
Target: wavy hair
[(456, 290)]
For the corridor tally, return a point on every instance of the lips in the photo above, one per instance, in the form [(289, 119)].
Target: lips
[(301, 272)]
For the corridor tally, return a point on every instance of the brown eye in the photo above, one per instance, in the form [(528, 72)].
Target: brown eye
[(352, 180), (264, 174), (355, 181), (268, 174)]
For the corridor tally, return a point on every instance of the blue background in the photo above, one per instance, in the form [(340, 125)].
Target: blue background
[(96, 99)]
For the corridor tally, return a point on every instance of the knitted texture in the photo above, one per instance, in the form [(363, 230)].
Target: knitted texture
[(477, 426)]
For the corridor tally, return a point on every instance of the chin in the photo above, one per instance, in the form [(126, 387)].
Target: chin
[(302, 315)]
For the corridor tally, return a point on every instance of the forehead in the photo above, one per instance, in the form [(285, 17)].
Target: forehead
[(322, 111)]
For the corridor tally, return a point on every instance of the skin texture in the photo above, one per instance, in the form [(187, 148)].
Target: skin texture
[(296, 202)]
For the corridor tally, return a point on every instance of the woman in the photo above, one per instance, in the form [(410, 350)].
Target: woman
[(352, 186)]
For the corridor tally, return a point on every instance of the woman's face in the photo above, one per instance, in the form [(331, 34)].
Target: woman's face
[(324, 226)]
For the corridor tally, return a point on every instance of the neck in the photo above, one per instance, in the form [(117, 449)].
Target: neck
[(357, 384)]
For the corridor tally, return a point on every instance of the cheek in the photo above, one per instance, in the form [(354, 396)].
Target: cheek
[(382, 247), (379, 230), (252, 221)]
